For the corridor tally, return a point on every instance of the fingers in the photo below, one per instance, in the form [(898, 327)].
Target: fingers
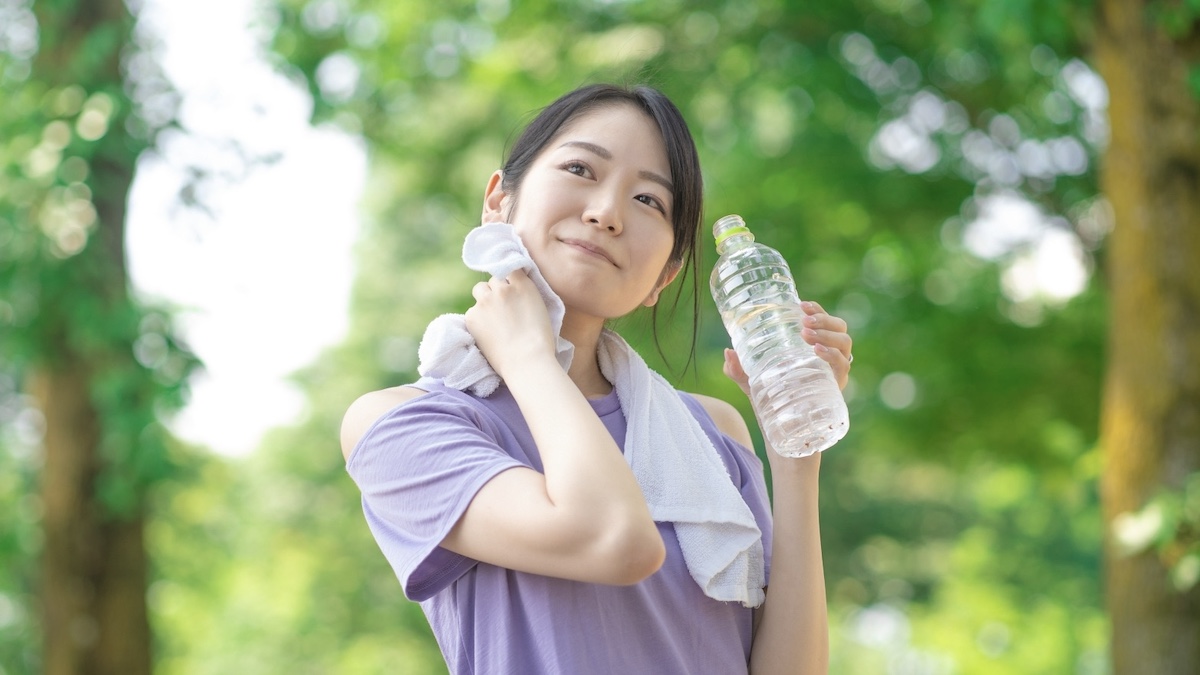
[(830, 340), (516, 278), (819, 318), (838, 361), (828, 331), (811, 307), (827, 334), (509, 322)]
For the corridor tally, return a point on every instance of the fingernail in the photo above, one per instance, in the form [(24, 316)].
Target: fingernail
[(810, 333), (810, 320)]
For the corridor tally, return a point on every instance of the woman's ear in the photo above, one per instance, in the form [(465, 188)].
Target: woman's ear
[(494, 199), (669, 273)]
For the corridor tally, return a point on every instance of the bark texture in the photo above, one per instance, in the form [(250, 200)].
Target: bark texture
[(94, 618), (94, 564), (1150, 427)]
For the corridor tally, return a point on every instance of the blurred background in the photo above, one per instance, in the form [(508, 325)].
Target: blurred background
[(222, 222)]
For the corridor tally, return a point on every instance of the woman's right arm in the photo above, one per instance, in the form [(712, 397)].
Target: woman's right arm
[(584, 518)]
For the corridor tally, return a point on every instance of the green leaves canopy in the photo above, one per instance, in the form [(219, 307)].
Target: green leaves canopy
[(866, 141)]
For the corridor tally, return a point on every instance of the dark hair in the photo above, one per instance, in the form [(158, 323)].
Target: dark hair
[(687, 183)]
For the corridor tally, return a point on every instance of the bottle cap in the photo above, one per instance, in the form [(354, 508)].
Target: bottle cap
[(728, 226)]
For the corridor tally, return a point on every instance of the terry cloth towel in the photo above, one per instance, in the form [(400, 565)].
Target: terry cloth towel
[(448, 351), (681, 475)]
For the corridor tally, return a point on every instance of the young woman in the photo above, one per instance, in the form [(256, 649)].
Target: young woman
[(514, 518)]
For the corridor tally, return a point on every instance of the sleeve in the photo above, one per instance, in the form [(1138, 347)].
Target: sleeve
[(419, 467), (746, 470)]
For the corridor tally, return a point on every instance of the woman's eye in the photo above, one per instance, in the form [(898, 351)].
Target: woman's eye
[(651, 200), (577, 168)]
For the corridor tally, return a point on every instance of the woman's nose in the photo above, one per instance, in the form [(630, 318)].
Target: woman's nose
[(603, 212)]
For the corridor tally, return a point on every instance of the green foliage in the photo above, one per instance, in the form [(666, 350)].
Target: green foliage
[(20, 538), (960, 516), (1177, 18), (955, 506), (1169, 526), (66, 159)]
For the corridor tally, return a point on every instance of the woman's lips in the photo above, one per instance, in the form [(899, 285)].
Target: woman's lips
[(590, 248)]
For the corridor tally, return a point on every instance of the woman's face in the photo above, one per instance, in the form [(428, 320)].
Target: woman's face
[(594, 210)]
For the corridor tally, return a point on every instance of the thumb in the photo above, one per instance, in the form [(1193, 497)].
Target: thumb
[(734, 371)]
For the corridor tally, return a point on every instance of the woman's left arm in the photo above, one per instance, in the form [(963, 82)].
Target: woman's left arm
[(792, 627)]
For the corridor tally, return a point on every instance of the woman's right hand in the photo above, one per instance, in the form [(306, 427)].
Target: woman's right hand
[(582, 516), (510, 322)]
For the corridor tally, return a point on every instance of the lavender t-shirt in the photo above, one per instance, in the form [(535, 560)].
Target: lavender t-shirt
[(418, 468)]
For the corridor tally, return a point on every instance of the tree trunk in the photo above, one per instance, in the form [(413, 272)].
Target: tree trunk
[(94, 567), (1150, 427)]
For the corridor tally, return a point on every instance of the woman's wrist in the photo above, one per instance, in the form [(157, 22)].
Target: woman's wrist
[(804, 468), (529, 370)]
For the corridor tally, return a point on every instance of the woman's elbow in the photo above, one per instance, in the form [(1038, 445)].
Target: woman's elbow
[(618, 549), (636, 556)]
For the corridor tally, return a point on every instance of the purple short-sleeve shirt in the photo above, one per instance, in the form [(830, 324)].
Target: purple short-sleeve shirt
[(418, 468)]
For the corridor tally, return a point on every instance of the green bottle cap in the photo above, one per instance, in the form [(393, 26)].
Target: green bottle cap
[(729, 226)]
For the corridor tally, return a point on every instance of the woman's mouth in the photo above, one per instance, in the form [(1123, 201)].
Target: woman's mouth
[(590, 249)]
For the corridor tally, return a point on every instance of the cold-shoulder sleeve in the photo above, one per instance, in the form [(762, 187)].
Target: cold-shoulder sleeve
[(418, 467)]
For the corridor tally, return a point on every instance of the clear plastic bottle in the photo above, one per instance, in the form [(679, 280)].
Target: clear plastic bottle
[(794, 391)]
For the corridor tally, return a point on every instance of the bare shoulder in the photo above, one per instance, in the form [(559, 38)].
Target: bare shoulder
[(727, 419), (369, 407)]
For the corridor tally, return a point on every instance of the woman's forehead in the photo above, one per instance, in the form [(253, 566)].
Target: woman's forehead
[(621, 122)]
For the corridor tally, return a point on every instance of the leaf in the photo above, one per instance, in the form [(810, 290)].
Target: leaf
[(1186, 572)]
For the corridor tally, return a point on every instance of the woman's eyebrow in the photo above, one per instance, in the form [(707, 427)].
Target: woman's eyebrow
[(604, 153), (591, 147), (651, 176)]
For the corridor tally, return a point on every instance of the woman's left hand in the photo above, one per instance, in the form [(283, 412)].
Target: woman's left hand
[(826, 333), (830, 340)]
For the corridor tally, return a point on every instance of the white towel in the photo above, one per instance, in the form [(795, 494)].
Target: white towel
[(681, 475), (448, 351)]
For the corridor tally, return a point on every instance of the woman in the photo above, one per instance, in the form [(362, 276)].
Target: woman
[(514, 518)]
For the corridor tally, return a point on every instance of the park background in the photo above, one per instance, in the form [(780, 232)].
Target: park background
[(1002, 197)]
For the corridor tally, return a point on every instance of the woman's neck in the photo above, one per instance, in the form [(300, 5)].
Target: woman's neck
[(585, 369)]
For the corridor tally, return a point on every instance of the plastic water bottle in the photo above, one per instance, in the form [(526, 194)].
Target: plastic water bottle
[(793, 390)]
